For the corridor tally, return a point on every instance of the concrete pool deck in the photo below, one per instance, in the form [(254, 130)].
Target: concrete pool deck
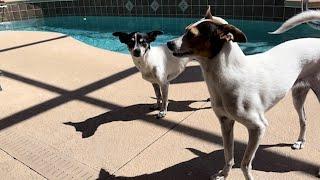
[(72, 111)]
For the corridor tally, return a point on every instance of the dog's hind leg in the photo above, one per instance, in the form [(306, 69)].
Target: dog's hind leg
[(299, 96), (0, 75), (315, 86), (164, 106), (158, 95), (228, 144)]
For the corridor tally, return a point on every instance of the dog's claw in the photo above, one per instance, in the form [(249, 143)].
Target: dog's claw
[(161, 114), (298, 145)]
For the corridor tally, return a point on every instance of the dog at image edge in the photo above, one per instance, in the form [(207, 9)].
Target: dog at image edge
[(243, 88)]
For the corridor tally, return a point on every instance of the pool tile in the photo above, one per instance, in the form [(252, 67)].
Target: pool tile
[(261, 9), (183, 5), (155, 5)]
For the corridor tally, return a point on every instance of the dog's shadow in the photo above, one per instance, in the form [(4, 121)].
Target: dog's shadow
[(129, 113), (206, 164)]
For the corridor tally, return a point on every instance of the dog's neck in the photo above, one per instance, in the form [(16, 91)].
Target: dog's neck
[(142, 61), (230, 56), (147, 52)]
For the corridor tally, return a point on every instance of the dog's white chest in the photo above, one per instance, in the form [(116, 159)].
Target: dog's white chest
[(149, 76), (138, 64), (148, 72)]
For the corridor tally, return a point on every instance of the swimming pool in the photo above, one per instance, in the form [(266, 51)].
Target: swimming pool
[(97, 30)]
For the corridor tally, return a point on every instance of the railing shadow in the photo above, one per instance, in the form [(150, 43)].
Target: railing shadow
[(207, 164), (191, 74), (130, 113), (65, 96), (33, 43)]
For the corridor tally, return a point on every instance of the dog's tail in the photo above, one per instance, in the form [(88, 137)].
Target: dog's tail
[(298, 19)]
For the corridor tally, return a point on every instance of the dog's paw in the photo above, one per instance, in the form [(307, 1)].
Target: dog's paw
[(161, 114), (298, 145), (154, 107), (218, 176)]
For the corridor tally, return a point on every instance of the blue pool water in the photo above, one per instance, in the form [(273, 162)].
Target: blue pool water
[(97, 31)]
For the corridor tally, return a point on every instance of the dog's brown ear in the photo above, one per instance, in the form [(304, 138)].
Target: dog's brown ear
[(123, 37), (231, 33), (208, 13)]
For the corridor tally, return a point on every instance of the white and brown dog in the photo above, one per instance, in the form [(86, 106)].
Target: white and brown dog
[(156, 64), (296, 20), (244, 87)]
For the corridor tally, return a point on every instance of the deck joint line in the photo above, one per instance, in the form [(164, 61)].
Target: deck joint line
[(42, 158), (24, 164), (157, 139)]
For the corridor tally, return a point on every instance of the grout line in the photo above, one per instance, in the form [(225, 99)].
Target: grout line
[(157, 139), (63, 156), (16, 159)]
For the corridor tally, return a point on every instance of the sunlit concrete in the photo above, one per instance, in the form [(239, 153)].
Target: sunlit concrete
[(92, 106)]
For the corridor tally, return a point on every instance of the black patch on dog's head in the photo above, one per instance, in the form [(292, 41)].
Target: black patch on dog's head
[(137, 37), (128, 39), (138, 43), (153, 35)]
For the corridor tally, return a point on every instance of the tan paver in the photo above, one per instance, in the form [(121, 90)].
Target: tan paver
[(194, 149), (48, 96), (44, 159), (10, 168), (91, 106)]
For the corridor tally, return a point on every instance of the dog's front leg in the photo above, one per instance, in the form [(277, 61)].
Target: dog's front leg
[(256, 129), (164, 106), (158, 95), (228, 144)]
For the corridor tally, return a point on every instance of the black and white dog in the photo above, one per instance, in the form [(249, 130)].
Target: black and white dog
[(156, 64)]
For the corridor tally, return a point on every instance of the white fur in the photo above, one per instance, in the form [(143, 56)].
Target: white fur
[(159, 67), (245, 87), (242, 88), (303, 17), (216, 20)]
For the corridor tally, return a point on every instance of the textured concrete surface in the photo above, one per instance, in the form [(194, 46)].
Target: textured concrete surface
[(89, 107)]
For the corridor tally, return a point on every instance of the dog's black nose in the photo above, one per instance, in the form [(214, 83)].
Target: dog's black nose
[(170, 45), (136, 52)]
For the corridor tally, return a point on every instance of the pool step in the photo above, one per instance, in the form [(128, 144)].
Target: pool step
[(297, 3), (44, 159)]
